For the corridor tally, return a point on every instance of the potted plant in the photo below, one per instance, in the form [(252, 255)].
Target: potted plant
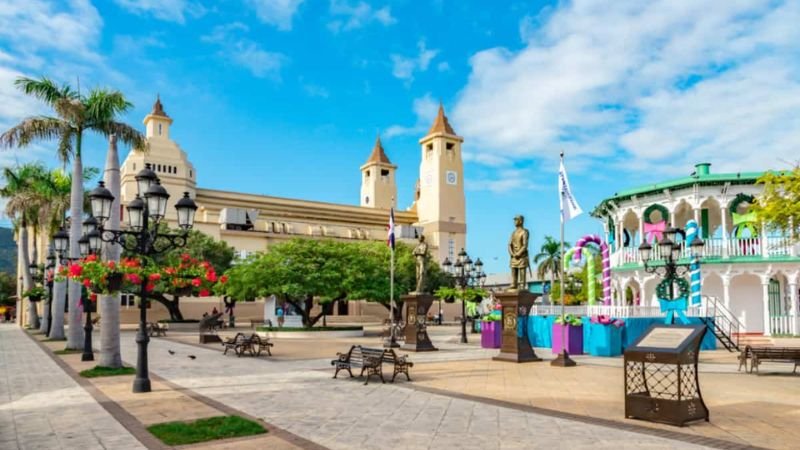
[(103, 277), (35, 293), (568, 333), (491, 329)]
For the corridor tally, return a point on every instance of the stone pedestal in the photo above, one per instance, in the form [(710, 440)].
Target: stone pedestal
[(516, 346), (416, 311)]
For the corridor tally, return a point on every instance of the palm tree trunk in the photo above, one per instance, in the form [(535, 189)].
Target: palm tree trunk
[(27, 280), (59, 300), (108, 305), (75, 335)]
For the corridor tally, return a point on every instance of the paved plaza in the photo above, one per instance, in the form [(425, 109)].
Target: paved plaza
[(459, 398)]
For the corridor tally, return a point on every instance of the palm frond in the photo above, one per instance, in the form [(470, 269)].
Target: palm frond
[(126, 134), (45, 89), (104, 105), (65, 145), (33, 129)]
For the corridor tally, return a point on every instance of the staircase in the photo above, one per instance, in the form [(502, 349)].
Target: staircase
[(723, 324)]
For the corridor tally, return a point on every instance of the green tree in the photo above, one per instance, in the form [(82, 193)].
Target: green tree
[(779, 204), (578, 286), (75, 113), (8, 287), (548, 260), (301, 270)]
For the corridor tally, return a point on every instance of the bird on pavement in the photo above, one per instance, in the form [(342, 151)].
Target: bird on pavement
[(171, 352), (192, 357)]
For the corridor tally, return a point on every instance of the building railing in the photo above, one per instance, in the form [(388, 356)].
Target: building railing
[(782, 325), (616, 311), (776, 246)]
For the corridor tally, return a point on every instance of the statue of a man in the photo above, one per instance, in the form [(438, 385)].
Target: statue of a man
[(421, 256), (518, 251)]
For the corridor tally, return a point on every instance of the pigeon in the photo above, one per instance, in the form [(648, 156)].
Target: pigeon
[(192, 357), (171, 352)]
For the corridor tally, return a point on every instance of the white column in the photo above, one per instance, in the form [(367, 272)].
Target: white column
[(697, 217), (794, 307), (765, 302), (725, 238), (641, 228), (672, 218), (764, 243), (726, 291)]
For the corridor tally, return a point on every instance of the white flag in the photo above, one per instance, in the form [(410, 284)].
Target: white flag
[(569, 206)]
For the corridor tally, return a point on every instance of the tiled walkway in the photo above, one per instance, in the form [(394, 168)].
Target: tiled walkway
[(41, 407), (345, 414)]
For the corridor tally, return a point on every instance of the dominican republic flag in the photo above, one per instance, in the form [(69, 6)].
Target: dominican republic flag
[(390, 240), (569, 206)]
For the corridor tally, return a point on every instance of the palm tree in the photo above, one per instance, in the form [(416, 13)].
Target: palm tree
[(22, 208), (75, 113), (548, 259)]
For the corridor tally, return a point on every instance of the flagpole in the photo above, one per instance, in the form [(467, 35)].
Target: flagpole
[(392, 342), (563, 359)]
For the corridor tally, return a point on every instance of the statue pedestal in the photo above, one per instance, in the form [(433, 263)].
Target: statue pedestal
[(515, 346), (416, 311)]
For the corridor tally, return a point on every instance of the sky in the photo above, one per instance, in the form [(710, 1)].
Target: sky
[(285, 97)]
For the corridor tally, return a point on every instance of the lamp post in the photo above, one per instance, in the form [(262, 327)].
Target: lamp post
[(145, 213), (667, 257), (33, 270), (466, 274), (89, 244), (49, 274)]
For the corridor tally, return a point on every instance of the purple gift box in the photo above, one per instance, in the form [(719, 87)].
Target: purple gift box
[(491, 334), (573, 336)]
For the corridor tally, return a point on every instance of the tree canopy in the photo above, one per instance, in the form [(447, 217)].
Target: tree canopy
[(779, 205)]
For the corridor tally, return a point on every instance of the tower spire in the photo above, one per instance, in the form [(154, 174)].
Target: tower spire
[(158, 108), (378, 154), (441, 124)]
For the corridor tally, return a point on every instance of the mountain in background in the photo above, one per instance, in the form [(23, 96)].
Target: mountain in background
[(8, 251)]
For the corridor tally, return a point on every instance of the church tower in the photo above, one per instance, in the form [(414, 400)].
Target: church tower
[(164, 157), (378, 185), (441, 209)]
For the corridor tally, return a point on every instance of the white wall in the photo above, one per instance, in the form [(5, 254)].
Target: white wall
[(747, 303)]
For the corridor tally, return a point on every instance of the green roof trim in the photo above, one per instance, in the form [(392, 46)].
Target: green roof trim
[(701, 178)]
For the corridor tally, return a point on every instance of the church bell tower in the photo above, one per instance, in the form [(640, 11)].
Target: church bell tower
[(378, 184), (441, 206)]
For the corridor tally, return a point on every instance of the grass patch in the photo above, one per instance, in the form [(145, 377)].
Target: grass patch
[(202, 430), (100, 371), (67, 351), (311, 330)]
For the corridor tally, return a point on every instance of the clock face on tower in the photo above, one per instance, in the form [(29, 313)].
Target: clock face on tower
[(451, 177)]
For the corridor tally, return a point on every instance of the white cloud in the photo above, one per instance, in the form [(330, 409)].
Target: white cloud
[(357, 15), (671, 82), (167, 10), (245, 52), (315, 90), (443, 66), (276, 12), (425, 109), (404, 67), (504, 181)]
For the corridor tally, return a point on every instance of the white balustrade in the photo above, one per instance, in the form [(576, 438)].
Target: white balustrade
[(616, 311), (781, 324)]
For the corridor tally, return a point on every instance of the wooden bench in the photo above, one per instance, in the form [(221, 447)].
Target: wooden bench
[(369, 359), (775, 354), (155, 329), (239, 344), (259, 344)]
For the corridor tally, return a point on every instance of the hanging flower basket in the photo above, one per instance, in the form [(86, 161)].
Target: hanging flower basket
[(34, 294)]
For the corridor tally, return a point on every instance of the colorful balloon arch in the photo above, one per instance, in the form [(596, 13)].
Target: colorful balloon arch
[(692, 232), (606, 261)]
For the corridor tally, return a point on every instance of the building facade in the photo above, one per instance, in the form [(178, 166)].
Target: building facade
[(746, 269)]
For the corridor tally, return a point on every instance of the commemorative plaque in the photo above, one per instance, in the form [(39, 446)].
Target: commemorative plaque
[(515, 346), (661, 377), (416, 333)]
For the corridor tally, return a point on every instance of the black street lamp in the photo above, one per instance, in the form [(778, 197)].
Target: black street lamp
[(466, 274), (144, 217), (668, 253), (89, 245), (49, 274)]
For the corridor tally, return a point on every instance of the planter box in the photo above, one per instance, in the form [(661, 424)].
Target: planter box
[(605, 340), (573, 336), (491, 334)]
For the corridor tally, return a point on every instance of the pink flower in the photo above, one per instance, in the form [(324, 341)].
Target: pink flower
[(133, 278), (197, 282), (87, 282), (154, 276), (204, 293), (75, 270), (211, 276)]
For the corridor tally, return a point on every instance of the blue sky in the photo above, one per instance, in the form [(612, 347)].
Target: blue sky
[(284, 97)]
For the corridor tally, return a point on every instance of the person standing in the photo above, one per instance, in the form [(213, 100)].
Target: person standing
[(280, 314)]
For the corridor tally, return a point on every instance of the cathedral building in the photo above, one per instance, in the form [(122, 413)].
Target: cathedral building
[(252, 222)]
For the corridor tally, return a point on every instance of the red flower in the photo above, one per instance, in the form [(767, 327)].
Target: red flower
[(75, 270), (197, 282), (87, 282), (205, 265), (93, 297), (185, 257), (112, 265), (154, 276), (170, 271), (204, 293), (133, 278), (223, 279), (150, 287), (91, 257), (211, 276)]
